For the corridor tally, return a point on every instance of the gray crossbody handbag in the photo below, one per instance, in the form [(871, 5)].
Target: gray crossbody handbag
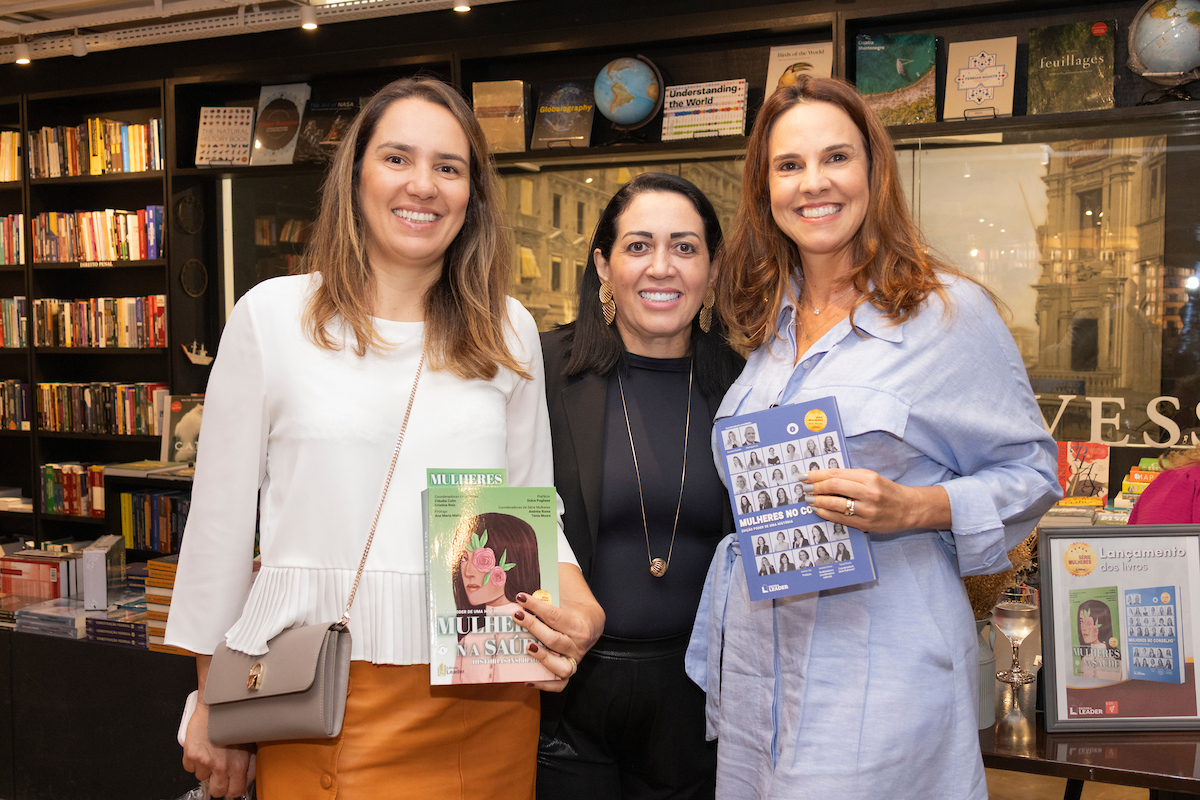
[(296, 690)]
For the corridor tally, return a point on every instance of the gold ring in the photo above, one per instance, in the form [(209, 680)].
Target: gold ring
[(849, 512), (574, 664)]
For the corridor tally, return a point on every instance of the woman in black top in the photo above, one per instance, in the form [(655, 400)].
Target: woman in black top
[(633, 385)]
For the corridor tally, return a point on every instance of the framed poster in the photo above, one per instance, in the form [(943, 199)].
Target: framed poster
[(1119, 629)]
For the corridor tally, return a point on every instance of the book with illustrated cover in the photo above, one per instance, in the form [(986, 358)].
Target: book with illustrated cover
[(1095, 626), (564, 116), (502, 108), (1083, 473), (181, 428), (980, 76), (896, 74), (785, 64), (225, 136), (322, 130), (702, 110), (277, 127), (1155, 634), (485, 542), (786, 548), (1071, 67)]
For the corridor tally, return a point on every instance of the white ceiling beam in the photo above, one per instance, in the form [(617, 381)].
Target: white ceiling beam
[(73, 21)]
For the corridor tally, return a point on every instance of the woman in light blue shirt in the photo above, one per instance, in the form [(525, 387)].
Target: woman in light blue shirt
[(869, 690)]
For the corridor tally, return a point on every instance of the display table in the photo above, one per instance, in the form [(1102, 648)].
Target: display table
[(1167, 763)]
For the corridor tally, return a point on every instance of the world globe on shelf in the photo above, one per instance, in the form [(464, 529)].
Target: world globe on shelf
[(628, 92), (1165, 39)]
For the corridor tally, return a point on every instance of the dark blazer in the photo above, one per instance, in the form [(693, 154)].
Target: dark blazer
[(577, 428)]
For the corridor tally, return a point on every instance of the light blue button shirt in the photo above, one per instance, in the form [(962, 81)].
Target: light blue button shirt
[(871, 690)]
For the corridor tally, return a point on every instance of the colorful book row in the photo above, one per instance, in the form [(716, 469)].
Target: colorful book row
[(73, 489), (138, 322), (14, 405), (113, 408), (12, 239), (154, 520), (108, 235), (97, 147), (14, 314)]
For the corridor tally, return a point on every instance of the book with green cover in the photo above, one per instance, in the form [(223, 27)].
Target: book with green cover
[(897, 76), (1095, 626), (1071, 67), (485, 542)]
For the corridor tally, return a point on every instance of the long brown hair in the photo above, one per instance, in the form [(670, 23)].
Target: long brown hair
[(466, 309), (893, 269)]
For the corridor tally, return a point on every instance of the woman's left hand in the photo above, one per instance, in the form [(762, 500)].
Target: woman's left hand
[(864, 499), (567, 631)]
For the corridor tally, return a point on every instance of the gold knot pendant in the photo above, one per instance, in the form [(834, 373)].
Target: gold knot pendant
[(658, 567)]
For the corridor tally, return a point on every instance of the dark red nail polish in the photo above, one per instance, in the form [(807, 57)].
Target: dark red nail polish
[(519, 615), (522, 597), (533, 648)]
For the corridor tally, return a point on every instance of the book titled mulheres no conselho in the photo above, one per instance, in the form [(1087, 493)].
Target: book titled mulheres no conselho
[(485, 542), (787, 549)]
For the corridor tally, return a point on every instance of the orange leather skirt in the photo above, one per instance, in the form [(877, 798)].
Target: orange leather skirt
[(403, 738)]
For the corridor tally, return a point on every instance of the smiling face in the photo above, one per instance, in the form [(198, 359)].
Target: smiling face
[(414, 186), (819, 182), (659, 269), (478, 593)]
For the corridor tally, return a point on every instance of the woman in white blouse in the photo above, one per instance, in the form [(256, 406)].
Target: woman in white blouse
[(408, 261)]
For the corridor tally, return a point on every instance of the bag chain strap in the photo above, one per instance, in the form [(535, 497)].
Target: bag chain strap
[(345, 620)]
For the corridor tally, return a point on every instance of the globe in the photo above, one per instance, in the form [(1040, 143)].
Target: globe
[(1165, 38), (628, 91)]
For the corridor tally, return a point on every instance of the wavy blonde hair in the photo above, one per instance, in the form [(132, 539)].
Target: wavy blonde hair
[(466, 310), (1179, 458), (893, 269)]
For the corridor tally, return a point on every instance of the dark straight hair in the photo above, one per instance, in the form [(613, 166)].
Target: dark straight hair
[(596, 347)]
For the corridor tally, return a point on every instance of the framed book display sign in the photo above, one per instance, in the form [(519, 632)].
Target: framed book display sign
[(1118, 627)]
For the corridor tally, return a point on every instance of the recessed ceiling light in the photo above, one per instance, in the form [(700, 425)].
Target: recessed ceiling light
[(308, 18), (21, 51), (462, 9)]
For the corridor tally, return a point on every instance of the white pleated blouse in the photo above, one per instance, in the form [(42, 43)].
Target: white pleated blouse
[(302, 436)]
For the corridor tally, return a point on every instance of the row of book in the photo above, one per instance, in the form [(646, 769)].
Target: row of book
[(96, 147), (12, 239), (14, 405), (110, 408), (10, 156), (14, 313), (73, 489), (154, 520), (267, 232), (138, 322), (108, 235)]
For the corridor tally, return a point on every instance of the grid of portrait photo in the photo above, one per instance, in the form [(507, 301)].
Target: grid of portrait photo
[(763, 477), (808, 544), (1153, 657)]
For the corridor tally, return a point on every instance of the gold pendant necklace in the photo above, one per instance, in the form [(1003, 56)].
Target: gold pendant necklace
[(658, 567)]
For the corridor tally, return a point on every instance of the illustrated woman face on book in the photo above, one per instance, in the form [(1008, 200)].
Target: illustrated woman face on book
[(499, 560), (1095, 623)]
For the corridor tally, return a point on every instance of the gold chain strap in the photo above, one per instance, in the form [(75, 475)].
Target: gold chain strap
[(341, 624)]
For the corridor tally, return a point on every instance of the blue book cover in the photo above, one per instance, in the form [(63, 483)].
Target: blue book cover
[(1155, 641), (787, 549)]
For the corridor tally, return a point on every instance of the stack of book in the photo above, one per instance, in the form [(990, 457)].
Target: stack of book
[(10, 604), (101, 322), (10, 156), (12, 239), (160, 584), (97, 147), (108, 235), (63, 617), (13, 314), (1068, 516), (124, 623), (14, 405), (117, 408), (1136, 481), (74, 489)]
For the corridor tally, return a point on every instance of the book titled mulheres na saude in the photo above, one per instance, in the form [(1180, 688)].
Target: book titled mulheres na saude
[(485, 542), (1071, 67), (787, 548)]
